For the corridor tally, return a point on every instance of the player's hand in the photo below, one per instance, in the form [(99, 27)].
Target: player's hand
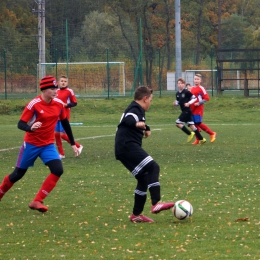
[(75, 149), (147, 133), (197, 104), (175, 103), (36, 125), (141, 125), (187, 104)]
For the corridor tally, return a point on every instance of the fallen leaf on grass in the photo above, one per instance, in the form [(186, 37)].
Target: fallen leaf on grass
[(242, 219)]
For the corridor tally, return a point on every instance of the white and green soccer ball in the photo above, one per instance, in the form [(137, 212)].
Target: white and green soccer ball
[(182, 209)]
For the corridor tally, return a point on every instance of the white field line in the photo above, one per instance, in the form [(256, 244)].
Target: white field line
[(103, 136), (83, 138)]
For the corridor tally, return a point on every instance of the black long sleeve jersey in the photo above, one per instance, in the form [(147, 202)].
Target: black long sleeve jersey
[(127, 130)]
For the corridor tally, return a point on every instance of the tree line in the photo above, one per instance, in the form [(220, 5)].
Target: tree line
[(94, 26)]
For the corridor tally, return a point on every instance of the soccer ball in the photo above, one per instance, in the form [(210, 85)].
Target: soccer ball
[(182, 209)]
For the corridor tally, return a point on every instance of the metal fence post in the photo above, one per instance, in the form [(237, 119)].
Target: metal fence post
[(5, 74)]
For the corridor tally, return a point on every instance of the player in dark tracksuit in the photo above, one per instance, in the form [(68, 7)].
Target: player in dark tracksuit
[(130, 133), (184, 99)]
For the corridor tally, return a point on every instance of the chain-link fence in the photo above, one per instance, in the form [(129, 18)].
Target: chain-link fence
[(77, 51)]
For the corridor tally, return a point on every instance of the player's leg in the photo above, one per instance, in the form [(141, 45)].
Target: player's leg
[(131, 160), (50, 157), (212, 134), (196, 131), (59, 144), (10, 179), (180, 122), (155, 189), (58, 132), (206, 129), (26, 157), (140, 194), (197, 120)]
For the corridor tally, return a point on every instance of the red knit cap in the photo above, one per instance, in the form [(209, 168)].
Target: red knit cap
[(48, 82)]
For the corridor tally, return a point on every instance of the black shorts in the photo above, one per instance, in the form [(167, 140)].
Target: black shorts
[(185, 117), (134, 158)]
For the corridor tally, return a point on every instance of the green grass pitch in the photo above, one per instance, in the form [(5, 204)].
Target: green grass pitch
[(89, 209)]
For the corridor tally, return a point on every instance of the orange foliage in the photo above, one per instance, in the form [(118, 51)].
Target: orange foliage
[(7, 15)]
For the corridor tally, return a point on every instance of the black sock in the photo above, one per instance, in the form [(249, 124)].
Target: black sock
[(139, 204), (155, 192), (198, 135), (186, 130)]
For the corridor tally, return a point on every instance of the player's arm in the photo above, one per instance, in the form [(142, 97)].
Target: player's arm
[(132, 120), (147, 131), (204, 96), (73, 101), (203, 100), (66, 125), (71, 104), (22, 125), (176, 102), (193, 99)]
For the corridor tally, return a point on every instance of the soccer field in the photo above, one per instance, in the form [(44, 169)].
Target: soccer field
[(89, 209)]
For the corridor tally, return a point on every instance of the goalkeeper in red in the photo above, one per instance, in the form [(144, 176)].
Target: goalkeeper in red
[(197, 108), (38, 120), (128, 149)]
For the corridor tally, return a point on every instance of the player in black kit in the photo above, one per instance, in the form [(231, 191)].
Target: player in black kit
[(130, 132), (184, 98)]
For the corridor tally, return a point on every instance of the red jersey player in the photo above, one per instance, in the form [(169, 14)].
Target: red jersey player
[(39, 119), (197, 108), (66, 95)]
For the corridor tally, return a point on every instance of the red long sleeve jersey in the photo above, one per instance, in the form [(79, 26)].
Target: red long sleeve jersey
[(37, 110), (201, 94), (67, 96)]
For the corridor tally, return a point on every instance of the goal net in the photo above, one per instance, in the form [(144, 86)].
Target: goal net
[(89, 79)]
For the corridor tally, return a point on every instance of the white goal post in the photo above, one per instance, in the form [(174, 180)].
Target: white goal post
[(88, 79)]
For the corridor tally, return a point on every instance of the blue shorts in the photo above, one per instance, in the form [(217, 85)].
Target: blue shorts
[(197, 119), (29, 153), (59, 128)]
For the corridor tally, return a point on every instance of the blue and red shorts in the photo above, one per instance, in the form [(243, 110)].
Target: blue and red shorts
[(29, 153)]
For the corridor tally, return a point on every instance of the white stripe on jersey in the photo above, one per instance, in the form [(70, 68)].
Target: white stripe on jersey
[(141, 165), (133, 115), (33, 102), (58, 100)]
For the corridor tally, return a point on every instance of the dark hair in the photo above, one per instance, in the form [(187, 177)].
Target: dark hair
[(181, 80), (141, 92), (198, 75), (188, 84)]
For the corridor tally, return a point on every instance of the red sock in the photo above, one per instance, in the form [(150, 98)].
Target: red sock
[(198, 127), (206, 129), (59, 143), (5, 186), (66, 138), (47, 186)]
